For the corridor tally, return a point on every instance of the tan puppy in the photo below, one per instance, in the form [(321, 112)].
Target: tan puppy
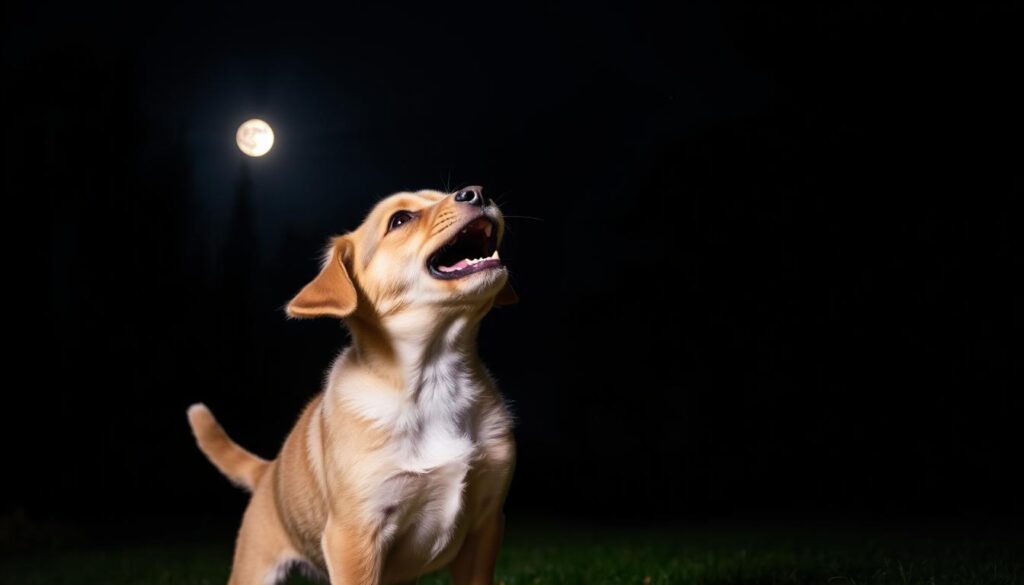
[(401, 465)]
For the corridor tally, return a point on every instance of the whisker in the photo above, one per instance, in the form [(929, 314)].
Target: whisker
[(446, 181), (499, 198), (524, 217)]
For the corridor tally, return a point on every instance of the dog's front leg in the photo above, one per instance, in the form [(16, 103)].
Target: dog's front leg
[(474, 565), (352, 553)]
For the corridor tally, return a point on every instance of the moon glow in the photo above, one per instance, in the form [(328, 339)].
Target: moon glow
[(254, 137)]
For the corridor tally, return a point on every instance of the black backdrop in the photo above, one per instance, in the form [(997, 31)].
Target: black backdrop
[(771, 279)]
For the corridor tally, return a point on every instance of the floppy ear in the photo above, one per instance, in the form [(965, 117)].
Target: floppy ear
[(506, 296), (332, 293)]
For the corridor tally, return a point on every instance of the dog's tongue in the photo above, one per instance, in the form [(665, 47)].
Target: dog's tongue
[(455, 267)]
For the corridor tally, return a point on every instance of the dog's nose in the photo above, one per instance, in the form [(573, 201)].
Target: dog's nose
[(472, 195)]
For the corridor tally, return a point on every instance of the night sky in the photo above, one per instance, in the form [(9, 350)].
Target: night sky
[(766, 253)]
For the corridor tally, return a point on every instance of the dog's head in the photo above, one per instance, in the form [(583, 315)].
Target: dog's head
[(414, 250)]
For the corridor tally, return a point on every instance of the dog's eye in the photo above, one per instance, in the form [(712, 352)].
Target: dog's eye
[(398, 219)]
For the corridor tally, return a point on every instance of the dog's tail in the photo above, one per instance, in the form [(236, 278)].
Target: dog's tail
[(240, 466)]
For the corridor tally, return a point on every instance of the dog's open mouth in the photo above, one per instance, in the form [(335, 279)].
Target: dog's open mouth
[(473, 249)]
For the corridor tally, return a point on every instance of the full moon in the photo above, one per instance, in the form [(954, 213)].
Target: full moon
[(254, 137)]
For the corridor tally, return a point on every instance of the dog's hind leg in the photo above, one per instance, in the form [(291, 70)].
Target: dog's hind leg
[(263, 553)]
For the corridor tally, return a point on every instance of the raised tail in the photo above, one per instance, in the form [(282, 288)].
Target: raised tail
[(240, 466)]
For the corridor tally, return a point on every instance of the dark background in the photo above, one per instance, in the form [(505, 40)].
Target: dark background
[(772, 279)]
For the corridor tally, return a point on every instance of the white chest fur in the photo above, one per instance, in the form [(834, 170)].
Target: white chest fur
[(419, 495)]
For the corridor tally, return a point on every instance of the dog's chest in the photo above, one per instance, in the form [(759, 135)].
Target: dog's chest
[(422, 498), (424, 501)]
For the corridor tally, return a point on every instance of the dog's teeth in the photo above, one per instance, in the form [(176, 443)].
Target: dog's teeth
[(467, 262)]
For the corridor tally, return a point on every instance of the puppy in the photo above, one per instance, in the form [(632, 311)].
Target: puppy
[(401, 465)]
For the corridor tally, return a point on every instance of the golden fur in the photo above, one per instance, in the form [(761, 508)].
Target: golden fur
[(400, 466)]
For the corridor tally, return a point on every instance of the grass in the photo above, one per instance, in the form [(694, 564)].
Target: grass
[(541, 557)]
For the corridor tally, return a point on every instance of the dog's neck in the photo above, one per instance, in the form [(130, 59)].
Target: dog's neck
[(418, 348)]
